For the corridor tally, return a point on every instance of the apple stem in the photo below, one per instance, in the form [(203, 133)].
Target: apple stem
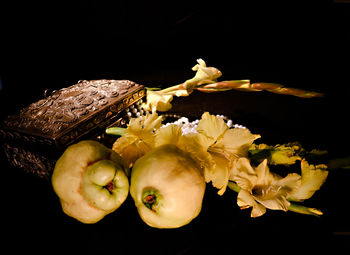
[(150, 199), (110, 186)]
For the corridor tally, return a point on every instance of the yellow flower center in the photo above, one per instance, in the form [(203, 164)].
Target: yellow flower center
[(266, 191)]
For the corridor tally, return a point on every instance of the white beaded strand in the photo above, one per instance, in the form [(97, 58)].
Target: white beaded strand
[(191, 126)]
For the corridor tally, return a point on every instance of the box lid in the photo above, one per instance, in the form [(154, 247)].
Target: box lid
[(70, 113)]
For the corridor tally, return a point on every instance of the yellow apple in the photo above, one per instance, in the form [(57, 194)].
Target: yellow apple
[(167, 186), (90, 181)]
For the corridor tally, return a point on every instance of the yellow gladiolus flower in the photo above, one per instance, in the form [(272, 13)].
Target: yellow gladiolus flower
[(215, 146), (223, 147), (203, 75), (261, 189), (138, 138), (160, 100), (157, 101)]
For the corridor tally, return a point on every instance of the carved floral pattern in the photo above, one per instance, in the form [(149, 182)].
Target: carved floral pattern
[(63, 108)]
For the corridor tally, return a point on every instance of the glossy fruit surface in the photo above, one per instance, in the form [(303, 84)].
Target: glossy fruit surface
[(167, 186), (90, 181)]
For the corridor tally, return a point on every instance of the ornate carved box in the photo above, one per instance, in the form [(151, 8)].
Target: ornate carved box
[(34, 137)]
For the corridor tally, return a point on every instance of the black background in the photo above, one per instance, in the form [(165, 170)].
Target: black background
[(299, 44)]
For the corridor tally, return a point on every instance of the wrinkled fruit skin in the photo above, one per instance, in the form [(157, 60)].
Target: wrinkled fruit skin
[(175, 180), (90, 181)]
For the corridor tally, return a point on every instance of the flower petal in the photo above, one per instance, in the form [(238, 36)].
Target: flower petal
[(277, 203), (271, 190), (203, 75), (168, 135), (265, 177), (138, 137), (312, 178), (181, 93), (211, 127), (283, 154), (156, 101), (219, 173), (243, 174), (289, 183), (196, 145), (151, 122), (236, 142), (126, 147), (144, 125), (246, 200)]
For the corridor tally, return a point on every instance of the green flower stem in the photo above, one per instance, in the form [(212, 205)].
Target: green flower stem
[(119, 131), (152, 88), (304, 210), (233, 186), (171, 89), (293, 207)]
